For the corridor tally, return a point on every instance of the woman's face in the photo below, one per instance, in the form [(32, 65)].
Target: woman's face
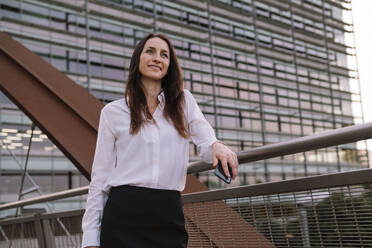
[(154, 60)]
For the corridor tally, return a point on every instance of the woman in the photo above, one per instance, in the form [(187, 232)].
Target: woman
[(141, 156)]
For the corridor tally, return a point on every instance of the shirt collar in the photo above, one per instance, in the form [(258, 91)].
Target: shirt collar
[(161, 96)]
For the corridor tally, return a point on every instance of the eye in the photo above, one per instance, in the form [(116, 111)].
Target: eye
[(149, 51), (165, 55)]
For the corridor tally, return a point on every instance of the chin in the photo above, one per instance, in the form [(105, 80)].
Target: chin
[(155, 77)]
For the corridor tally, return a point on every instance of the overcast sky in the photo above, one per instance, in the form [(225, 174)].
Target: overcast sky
[(362, 12)]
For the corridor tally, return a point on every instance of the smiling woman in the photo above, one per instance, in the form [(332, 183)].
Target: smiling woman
[(154, 63), (154, 60), (141, 156), (156, 72)]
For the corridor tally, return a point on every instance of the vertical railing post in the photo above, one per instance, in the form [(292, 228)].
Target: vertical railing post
[(39, 231), (48, 234), (305, 227), (44, 232)]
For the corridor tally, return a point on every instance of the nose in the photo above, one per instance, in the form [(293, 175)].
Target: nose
[(156, 58)]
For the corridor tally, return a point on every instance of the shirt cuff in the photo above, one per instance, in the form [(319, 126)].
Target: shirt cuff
[(91, 238), (206, 151)]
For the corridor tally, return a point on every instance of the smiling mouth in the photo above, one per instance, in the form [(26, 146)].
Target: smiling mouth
[(155, 67)]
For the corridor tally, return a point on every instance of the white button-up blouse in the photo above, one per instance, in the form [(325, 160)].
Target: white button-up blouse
[(156, 157)]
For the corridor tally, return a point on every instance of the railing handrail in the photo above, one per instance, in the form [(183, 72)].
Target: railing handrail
[(302, 144), (340, 179), (59, 214), (45, 198)]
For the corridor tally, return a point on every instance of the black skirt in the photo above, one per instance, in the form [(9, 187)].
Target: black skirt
[(136, 217)]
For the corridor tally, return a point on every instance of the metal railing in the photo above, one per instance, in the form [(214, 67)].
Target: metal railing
[(321, 211), (333, 210), (302, 144), (42, 230)]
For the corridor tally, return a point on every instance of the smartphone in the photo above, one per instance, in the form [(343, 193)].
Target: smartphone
[(221, 174)]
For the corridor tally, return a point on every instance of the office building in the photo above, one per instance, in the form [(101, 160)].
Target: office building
[(262, 72)]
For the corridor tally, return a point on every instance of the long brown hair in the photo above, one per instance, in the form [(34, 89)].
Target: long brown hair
[(172, 84)]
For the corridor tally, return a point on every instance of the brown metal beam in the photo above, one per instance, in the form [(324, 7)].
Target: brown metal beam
[(62, 109)]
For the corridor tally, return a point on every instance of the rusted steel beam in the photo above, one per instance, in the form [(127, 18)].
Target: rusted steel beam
[(62, 109)]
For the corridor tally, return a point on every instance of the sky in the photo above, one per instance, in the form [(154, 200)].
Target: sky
[(362, 13)]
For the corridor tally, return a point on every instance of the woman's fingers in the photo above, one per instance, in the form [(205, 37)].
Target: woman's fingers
[(227, 158), (225, 166), (236, 163), (234, 166), (236, 160), (215, 161)]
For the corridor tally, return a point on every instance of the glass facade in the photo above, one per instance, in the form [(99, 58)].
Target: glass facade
[(261, 71)]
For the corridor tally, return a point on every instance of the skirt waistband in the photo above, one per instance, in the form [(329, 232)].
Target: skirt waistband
[(142, 190)]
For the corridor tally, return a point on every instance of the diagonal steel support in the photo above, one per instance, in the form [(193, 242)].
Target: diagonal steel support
[(4, 235)]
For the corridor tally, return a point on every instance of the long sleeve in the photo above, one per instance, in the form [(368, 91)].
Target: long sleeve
[(104, 161), (202, 133)]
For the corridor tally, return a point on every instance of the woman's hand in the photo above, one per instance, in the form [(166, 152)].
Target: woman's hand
[(226, 156)]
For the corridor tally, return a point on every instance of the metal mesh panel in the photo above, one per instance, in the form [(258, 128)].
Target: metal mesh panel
[(47, 230), (239, 217), (19, 234), (73, 225), (331, 217), (217, 224)]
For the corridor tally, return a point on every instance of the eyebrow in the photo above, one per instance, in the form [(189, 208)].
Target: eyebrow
[(163, 50)]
